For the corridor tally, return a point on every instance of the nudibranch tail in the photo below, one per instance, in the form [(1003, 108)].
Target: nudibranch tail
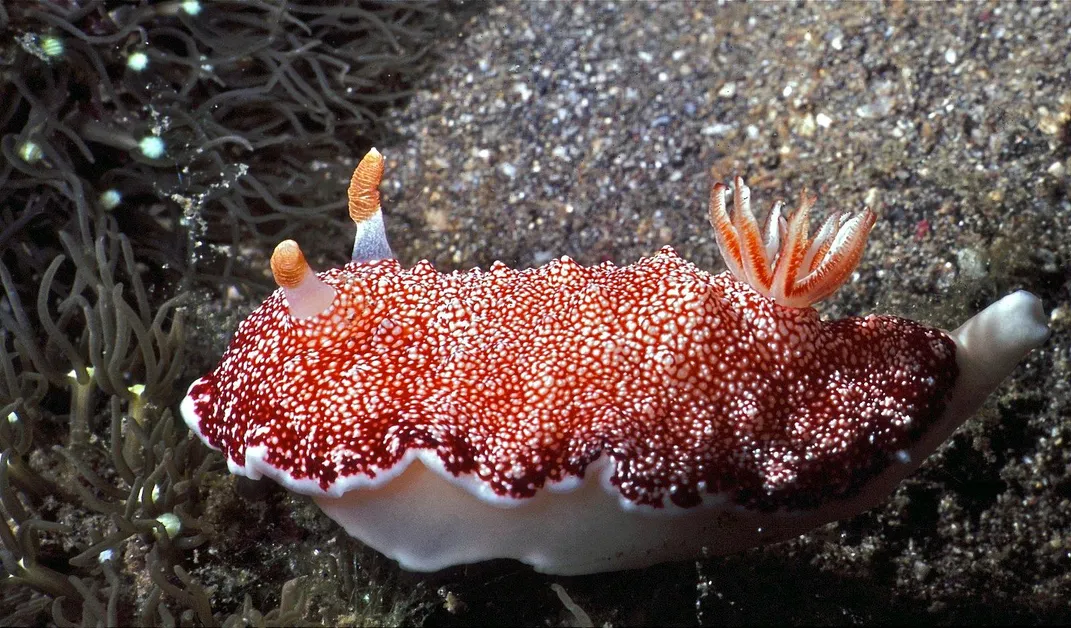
[(988, 347), (306, 294), (781, 262), (370, 242)]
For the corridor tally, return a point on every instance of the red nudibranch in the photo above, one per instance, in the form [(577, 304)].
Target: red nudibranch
[(591, 419)]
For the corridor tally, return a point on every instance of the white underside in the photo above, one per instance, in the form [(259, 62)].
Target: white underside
[(428, 519), (426, 523)]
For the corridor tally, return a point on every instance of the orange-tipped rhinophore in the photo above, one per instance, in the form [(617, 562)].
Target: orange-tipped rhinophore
[(288, 264), (364, 187)]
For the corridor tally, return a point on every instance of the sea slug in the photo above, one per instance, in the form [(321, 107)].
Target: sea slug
[(591, 419)]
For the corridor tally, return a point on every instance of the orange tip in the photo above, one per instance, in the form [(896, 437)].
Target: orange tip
[(288, 264), (364, 187)]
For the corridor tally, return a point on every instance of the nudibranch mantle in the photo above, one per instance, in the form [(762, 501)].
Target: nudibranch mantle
[(590, 419)]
